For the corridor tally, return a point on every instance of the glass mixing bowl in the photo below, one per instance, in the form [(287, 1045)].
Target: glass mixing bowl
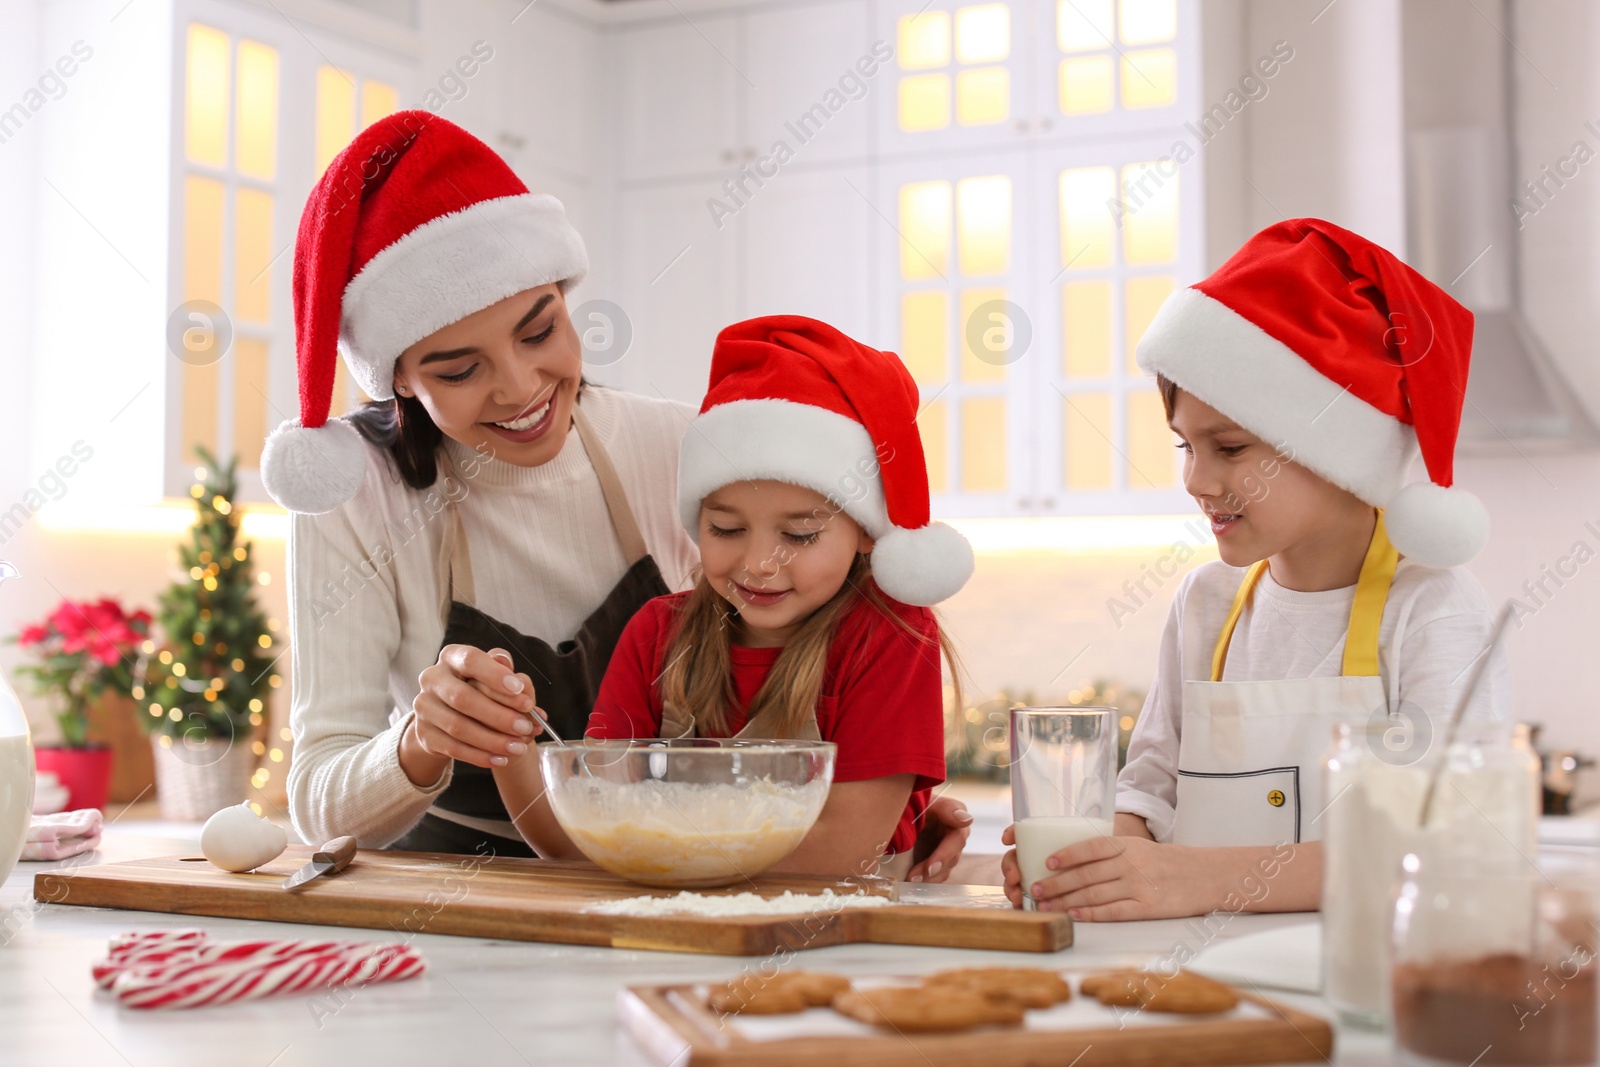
[(691, 813)]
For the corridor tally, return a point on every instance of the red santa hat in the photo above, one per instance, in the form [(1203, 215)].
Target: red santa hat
[(416, 225), (794, 400), (1328, 347)]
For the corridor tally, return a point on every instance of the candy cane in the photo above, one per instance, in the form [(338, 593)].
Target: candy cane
[(224, 982), (147, 939), (167, 959)]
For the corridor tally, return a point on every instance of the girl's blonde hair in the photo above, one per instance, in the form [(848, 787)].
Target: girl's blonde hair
[(698, 677)]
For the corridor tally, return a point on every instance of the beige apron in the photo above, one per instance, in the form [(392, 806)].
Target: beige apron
[(1249, 757)]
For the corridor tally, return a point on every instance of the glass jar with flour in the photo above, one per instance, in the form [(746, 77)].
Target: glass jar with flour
[(1484, 813)]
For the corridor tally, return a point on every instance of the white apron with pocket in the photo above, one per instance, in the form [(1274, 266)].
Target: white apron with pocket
[(1250, 754)]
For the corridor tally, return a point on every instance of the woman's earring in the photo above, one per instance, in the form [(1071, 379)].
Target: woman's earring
[(401, 390)]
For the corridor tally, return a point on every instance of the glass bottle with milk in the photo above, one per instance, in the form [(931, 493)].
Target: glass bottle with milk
[(1063, 782), (16, 770), (1485, 813)]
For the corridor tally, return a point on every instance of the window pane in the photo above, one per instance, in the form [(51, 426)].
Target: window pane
[(1083, 24), (924, 40), (1149, 78), (249, 400), (983, 224), (925, 230), (1086, 329), (205, 128), (983, 97), (983, 444), (983, 33), (988, 362), (200, 407), (202, 239), (925, 335), (258, 110), (336, 114), (934, 425), (1086, 231), (1140, 300), (925, 102), (1152, 461), (1150, 219), (252, 255), (1085, 85), (1148, 21), (377, 100), (1086, 441)]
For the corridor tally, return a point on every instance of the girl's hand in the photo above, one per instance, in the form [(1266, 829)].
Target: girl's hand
[(472, 708), (952, 816)]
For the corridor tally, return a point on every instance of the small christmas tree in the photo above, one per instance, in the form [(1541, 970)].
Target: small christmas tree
[(212, 677)]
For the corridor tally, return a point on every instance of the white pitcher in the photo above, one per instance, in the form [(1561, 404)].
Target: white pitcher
[(16, 769)]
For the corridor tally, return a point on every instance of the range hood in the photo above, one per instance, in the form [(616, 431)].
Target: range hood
[(1463, 238), (1460, 130)]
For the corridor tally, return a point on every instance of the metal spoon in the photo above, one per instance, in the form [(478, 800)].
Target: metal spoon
[(1495, 635)]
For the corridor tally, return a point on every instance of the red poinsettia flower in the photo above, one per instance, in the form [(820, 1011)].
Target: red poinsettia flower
[(32, 635)]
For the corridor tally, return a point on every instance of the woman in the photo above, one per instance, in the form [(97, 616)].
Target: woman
[(487, 495)]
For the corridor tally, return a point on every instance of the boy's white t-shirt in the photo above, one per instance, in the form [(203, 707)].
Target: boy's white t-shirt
[(1435, 623)]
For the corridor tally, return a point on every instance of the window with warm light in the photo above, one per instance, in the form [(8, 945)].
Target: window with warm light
[(1081, 230), (953, 67), (1116, 54), (233, 191)]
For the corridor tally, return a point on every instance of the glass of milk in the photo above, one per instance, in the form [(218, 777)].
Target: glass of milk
[(1063, 782)]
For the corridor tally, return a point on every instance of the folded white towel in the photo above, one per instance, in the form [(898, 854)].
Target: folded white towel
[(55, 837)]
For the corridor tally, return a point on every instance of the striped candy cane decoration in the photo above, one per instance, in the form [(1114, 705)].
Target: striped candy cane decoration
[(163, 960), (225, 981)]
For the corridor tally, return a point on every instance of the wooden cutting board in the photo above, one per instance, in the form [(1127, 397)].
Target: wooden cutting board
[(676, 1028), (529, 900)]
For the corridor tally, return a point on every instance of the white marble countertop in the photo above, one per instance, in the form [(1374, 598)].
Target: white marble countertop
[(484, 1002)]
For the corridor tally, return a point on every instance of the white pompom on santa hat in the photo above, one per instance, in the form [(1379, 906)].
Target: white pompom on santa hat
[(794, 400), (1329, 348), (416, 225)]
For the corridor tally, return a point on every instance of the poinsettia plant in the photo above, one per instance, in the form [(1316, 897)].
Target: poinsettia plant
[(84, 649)]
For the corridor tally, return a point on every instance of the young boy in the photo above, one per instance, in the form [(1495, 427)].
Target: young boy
[(1301, 379)]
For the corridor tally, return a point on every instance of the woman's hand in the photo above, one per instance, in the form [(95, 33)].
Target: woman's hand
[(951, 817), (473, 707)]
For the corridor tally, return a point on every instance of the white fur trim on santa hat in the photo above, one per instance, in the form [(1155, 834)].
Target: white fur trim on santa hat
[(1436, 526), (1235, 366), (448, 268), (313, 471), (780, 440)]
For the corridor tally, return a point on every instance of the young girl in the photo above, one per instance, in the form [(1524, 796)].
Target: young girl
[(804, 482), (1300, 379)]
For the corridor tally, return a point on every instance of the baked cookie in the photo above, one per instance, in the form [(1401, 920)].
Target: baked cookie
[(1183, 993), (782, 994), (926, 1008), (1031, 987)]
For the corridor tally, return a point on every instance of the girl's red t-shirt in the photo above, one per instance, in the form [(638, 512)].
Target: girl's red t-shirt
[(882, 701)]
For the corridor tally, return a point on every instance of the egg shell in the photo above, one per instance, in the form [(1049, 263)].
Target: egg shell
[(237, 839)]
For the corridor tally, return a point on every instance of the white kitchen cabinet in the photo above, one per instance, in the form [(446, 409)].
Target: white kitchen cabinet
[(678, 285), (806, 246), (806, 65), (680, 97)]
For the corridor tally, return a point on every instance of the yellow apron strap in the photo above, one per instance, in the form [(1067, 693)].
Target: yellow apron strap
[(1366, 613), (1240, 599)]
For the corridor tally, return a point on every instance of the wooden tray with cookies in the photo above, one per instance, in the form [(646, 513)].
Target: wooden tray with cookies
[(993, 1016)]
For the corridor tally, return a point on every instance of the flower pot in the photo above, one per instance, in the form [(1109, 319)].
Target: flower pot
[(197, 779), (84, 772)]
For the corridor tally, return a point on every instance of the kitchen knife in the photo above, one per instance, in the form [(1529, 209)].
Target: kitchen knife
[(333, 856)]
